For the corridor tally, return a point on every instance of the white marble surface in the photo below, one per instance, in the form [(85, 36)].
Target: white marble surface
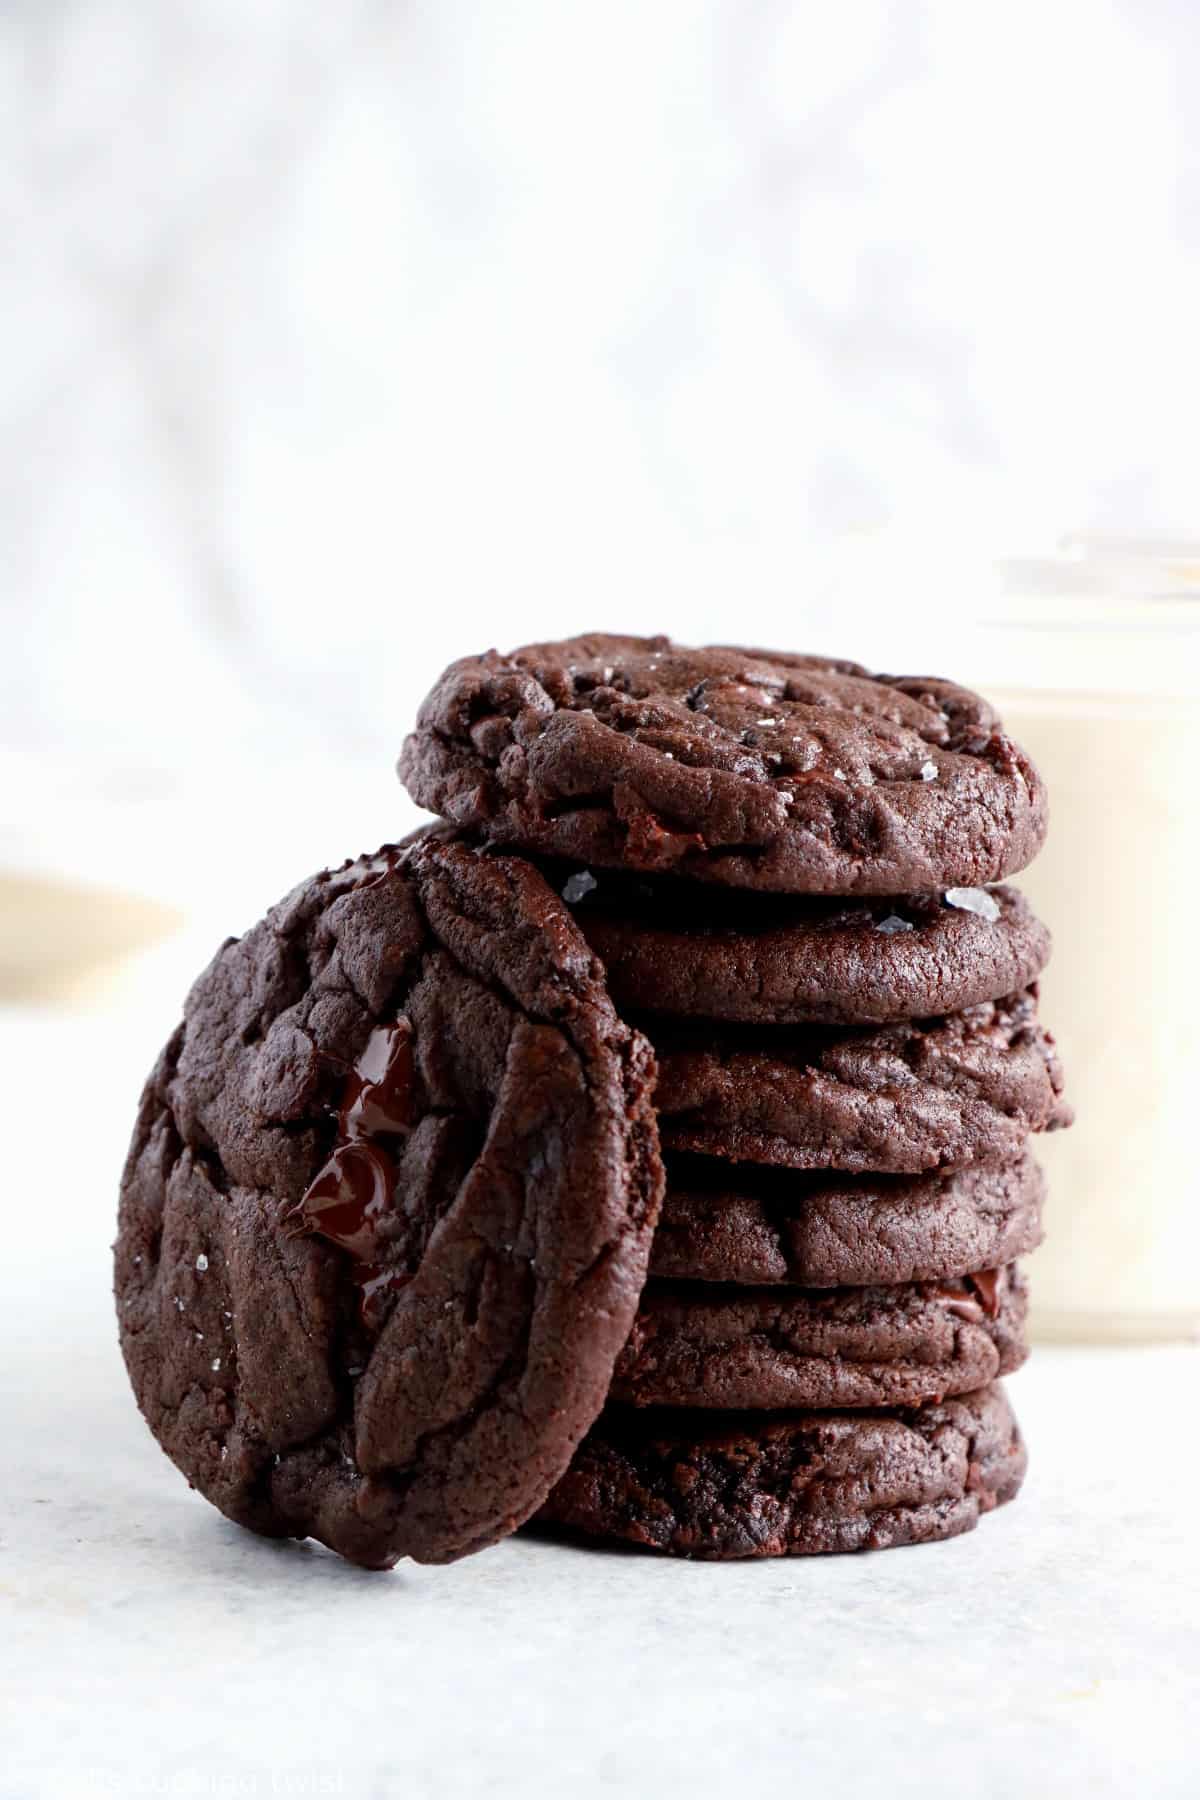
[(147, 1647)]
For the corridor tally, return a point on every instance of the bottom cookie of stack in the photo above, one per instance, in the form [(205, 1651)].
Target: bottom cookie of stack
[(723, 1486)]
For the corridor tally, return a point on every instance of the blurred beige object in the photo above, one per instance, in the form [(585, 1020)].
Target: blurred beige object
[(65, 944), (1108, 705)]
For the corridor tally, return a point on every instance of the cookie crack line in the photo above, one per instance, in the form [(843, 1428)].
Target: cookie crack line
[(397, 1479)]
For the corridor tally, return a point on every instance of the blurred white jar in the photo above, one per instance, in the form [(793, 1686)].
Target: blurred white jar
[(1094, 664)]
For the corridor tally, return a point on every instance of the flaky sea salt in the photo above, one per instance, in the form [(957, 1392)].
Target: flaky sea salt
[(929, 771), (216, 1363), (973, 900), (579, 886), (892, 924), (201, 1263)]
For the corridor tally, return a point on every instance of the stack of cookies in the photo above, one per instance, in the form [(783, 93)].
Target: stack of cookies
[(646, 1148)]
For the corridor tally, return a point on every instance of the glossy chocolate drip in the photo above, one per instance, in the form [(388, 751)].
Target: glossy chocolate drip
[(355, 1189), (970, 1296), (379, 1096), (349, 1196), (986, 1283)]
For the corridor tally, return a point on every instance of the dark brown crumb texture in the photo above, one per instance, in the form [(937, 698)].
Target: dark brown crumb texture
[(917, 1095), (804, 1484), (766, 1348), (756, 1225)]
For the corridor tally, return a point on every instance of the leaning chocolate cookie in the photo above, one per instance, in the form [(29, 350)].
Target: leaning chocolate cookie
[(775, 1226), (898, 1099), (898, 1345), (800, 1484), (756, 769), (387, 1211), (703, 952)]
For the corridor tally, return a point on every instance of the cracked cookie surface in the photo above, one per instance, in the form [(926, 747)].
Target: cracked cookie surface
[(729, 1486), (386, 1214), (769, 1227), (891, 1345), (916, 1095), (756, 769)]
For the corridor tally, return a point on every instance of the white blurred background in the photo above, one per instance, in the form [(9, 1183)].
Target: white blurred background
[(342, 340), (339, 340)]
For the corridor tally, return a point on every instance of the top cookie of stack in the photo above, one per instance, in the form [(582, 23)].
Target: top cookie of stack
[(792, 774)]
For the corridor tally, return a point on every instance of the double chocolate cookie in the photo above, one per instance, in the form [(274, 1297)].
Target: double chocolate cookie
[(755, 769), (707, 953), (757, 1227), (387, 1213), (894, 1345), (726, 1486), (921, 1094)]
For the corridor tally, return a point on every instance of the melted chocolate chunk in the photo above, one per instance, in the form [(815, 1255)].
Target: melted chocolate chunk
[(356, 1190), (971, 1296), (380, 1095), (348, 1197)]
